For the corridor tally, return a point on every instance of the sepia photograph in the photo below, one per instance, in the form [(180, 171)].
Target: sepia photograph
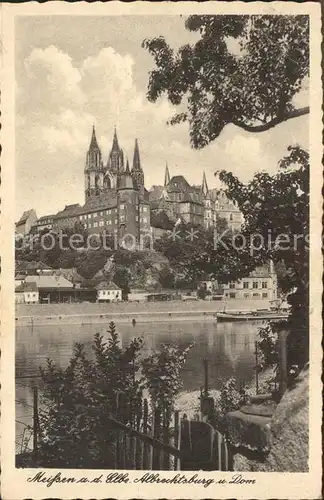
[(162, 246)]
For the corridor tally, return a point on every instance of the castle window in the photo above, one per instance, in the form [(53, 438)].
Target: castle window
[(122, 207), (101, 214), (95, 224), (95, 214), (122, 217), (145, 220), (89, 226), (245, 284), (255, 284), (101, 223), (231, 217), (264, 284), (136, 218), (116, 221), (109, 222), (144, 209)]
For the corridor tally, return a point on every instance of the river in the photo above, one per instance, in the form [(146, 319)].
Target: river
[(229, 348)]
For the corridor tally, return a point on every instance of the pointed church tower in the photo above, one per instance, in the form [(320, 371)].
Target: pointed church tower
[(116, 157), (166, 175), (137, 171), (127, 170), (93, 167), (204, 187)]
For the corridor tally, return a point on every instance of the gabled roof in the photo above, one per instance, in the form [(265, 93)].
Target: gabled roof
[(32, 265), (178, 183), (68, 211), (103, 201), (105, 285), (28, 286), (70, 274), (261, 272), (50, 281), (25, 216)]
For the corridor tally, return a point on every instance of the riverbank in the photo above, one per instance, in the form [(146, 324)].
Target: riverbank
[(125, 312)]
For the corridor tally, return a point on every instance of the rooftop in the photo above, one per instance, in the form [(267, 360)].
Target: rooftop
[(28, 286), (25, 216), (105, 285), (50, 281)]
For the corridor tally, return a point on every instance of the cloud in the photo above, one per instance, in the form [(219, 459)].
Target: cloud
[(52, 82)]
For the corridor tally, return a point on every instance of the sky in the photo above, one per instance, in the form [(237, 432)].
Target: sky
[(75, 72)]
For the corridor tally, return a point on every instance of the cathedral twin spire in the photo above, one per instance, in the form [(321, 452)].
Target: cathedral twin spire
[(115, 162)]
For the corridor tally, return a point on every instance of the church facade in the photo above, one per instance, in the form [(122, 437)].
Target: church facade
[(116, 200)]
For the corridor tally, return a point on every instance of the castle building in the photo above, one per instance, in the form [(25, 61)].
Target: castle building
[(117, 202), (115, 196), (196, 205)]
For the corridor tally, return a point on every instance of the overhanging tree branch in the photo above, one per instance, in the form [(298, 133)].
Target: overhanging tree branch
[(276, 121)]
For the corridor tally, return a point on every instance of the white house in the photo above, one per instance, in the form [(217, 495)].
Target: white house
[(108, 292), (261, 284), (26, 293)]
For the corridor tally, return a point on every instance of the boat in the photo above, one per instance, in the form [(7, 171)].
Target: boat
[(251, 315)]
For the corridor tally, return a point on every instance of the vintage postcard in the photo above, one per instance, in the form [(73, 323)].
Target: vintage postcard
[(161, 256)]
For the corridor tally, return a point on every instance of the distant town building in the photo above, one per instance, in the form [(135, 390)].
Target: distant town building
[(26, 221), (45, 222), (260, 284), (108, 292), (26, 293)]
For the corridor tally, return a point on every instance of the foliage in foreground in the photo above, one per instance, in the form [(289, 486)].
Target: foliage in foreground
[(75, 431)]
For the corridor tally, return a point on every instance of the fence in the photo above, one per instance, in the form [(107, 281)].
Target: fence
[(144, 439)]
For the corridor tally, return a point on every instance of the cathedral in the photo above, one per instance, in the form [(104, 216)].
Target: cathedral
[(115, 196)]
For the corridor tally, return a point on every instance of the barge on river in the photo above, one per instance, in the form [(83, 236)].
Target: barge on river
[(251, 315)]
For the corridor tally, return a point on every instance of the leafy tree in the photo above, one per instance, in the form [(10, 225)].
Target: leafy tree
[(194, 253), (122, 279), (75, 431), (166, 277), (162, 371), (161, 220), (276, 208), (252, 87)]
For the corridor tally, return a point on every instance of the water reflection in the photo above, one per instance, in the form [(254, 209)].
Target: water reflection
[(228, 347)]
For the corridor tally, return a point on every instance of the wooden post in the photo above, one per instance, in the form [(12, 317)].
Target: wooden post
[(283, 373), (206, 377), (118, 452), (166, 440), (256, 369), (176, 437), (35, 421), (157, 430), (146, 447), (138, 445)]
